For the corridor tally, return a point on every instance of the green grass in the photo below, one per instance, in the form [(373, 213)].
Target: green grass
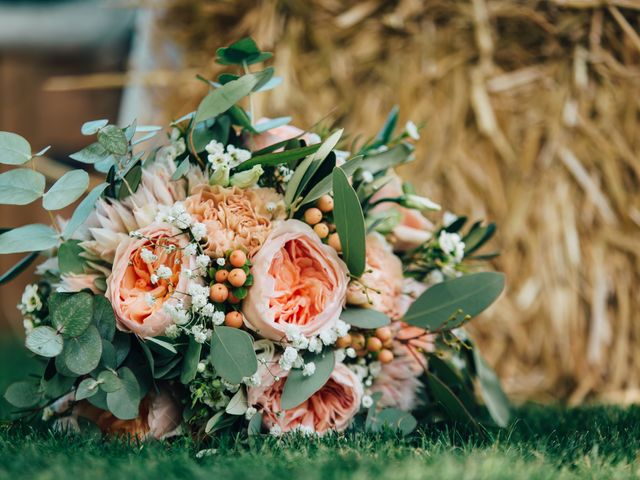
[(543, 442)]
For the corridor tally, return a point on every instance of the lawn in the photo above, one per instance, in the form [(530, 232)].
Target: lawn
[(543, 442)]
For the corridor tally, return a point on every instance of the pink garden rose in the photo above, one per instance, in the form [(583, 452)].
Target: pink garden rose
[(330, 408), (137, 301), (383, 276), (297, 281), (414, 229), (279, 134)]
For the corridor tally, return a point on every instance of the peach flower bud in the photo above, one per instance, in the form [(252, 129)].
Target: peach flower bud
[(297, 281)]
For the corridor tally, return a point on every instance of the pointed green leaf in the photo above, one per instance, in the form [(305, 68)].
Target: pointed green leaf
[(14, 150), (92, 127), (66, 190), (491, 391), (298, 387), (125, 402), (190, 362), (21, 186), (232, 354), (349, 220), (103, 317), (83, 210), (30, 238)]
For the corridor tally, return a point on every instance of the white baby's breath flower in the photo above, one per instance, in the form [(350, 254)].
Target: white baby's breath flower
[(300, 342), (190, 250), (341, 328), (328, 336), (172, 331), (367, 401), (217, 318), (199, 335), (154, 278), (220, 261), (309, 369), (315, 345), (290, 354), (203, 261), (251, 411), (375, 368), (148, 256), (199, 231), (201, 367), (340, 355), (208, 310), (163, 272), (351, 352), (412, 130)]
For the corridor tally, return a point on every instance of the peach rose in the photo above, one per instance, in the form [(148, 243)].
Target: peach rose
[(159, 417), (330, 408), (136, 300), (235, 217), (383, 278), (279, 134), (414, 229), (297, 281)]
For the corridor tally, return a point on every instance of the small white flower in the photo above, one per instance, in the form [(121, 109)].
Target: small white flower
[(375, 368), (251, 411), (367, 401), (220, 261), (448, 218), (135, 234), (190, 250), (315, 345), (300, 342), (340, 355), (291, 331), (150, 300), (309, 369), (30, 301), (366, 176), (203, 261), (201, 367), (351, 352), (199, 231), (198, 301), (217, 318), (341, 328), (412, 130), (451, 244), (148, 256), (27, 323), (154, 278), (290, 354), (275, 431), (199, 335), (435, 276), (163, 272), (271, 207), (253, 381), (214, 147), (328, 336), (208, 310), (368, 382), (172, 331)]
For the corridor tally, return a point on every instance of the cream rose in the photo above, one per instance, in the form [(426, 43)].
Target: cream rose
[(136, 296), (297, 281), (330, 408)]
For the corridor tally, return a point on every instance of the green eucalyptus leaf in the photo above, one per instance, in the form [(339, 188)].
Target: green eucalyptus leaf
[(238, 403), (83, 210), (44, 341), (190, 362), (124, 403), (325, 185), (244, 51), (66, 190), (364, 318), (130, 182), (99, 400), (181, 169), (255, 425), (58, 385), (21, 186), (381, 161), (73, 315), (232, 354), (450, 402), (92, 154), (113, 139), (161, 346), (69, 259), (491, 391), (14, 150), (29, 238), (278, 158), (92, 127), (450, 303), (109, 381), (108, 358), (122, 344), (87, 388), (478, 237), (104, 317), (23, 394), (395, 419), (349, 220), (298, 387), (82, 354)]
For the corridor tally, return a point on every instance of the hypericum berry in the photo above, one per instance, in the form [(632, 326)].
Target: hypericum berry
[(383, 333), (358, 341), (313, 216), (218, 293), (344, 342), (321, 229), (374, 344), (325, 203), (221, 275), (238, 258), (334, 242), (385, 356), (233, 319), (237, 277), (233, 300)]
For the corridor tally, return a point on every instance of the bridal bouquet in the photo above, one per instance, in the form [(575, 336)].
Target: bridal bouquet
[(248, 275)]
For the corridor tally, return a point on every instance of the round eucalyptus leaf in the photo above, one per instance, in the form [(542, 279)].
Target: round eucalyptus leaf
[(87, 388), (92, 127), (299, 387), (66, 190), (82, 354), (364, 318), (21, 186), (30, 238), (124, 403), (58, 385), (22, 394), (109, 381), (104, 317), (232, 354), (113, 139), (14, 150), (44, 341), (73, 315)]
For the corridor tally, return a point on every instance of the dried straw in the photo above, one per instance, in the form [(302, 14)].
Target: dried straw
[(532, 114)]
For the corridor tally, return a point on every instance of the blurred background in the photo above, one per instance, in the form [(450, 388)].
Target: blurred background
[(532, 114)]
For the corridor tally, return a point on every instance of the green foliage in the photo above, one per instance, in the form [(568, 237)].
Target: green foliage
[(244, 51), (298, 387), (44, 341), (83, 210), (394, 419), (125, 401), (113, 140), (95, 152), (29, 238), (21, 186), (82, 354), (232, 354), (69, 259), (66, 190), (364, 318), (72, 315), (190, 362), (104, 318), (23, 394), (14, 150), (349, 220), (450, 303), (278, 158)]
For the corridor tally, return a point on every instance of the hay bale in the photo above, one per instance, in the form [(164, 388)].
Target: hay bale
[(532, 113)]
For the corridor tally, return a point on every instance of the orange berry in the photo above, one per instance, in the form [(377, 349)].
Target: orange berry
[(385, 356), (374, 344), (388, 343), (344, 342), (218, 293), (233, 300), (325, 203), (237, 277), (312, 216), (383, 333), (358, 341), (221, 275), (238, 258), (233, 319), (334, 242), (321, 229)]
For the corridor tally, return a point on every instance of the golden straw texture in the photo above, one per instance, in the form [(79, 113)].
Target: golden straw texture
[(532, 113)]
